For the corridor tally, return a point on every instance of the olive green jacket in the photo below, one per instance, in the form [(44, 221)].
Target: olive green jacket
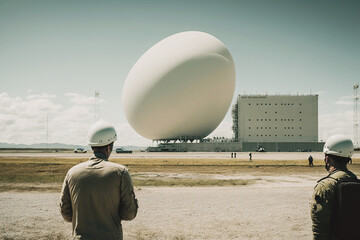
[(323, 204), (96, 195)]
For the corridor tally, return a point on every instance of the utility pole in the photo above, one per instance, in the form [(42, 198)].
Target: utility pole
[(47, 130), (356, 117)]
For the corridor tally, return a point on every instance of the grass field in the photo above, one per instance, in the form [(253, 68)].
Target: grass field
[(37, 173)]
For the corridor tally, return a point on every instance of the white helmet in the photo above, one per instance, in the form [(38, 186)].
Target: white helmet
[(101, 134), (339, 145)]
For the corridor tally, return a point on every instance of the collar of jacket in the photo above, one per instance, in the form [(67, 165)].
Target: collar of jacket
[(100, 155), (344, 169), (333, 172)]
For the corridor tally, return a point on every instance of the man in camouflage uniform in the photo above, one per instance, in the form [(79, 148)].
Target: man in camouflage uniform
[(338, 150)]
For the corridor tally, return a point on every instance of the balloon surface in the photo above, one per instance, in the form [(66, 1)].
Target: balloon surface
[(181, 88)]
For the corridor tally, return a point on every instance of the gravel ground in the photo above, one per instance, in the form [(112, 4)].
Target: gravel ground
[(272, 208)]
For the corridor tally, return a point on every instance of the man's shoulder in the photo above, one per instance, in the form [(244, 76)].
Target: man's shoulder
[(79, 165), (329, 182), (116, 166), (343, 173), (325, 186)]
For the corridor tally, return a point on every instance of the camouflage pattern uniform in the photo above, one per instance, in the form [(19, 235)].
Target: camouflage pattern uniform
[(323, 203)]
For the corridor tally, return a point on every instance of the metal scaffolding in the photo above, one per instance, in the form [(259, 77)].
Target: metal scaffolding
[(235, 114), (356, 117)]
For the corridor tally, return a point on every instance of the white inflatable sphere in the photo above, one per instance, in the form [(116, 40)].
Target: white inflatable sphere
[(181, 87)]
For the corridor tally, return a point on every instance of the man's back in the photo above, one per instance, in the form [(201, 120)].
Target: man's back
[(101, 194), (323, 204)]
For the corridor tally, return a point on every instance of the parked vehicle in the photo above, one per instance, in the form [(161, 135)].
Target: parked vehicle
[(80, 150), (261, 150), (122, 150)]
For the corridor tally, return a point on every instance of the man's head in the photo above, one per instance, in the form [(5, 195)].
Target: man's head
[(101, 137), (338, 150)]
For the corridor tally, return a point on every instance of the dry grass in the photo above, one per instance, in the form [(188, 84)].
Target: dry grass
[(24, 173)]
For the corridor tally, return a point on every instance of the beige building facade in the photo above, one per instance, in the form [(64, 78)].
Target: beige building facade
[(277, 118)]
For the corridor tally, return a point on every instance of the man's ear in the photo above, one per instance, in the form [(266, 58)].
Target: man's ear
[(327, 159)]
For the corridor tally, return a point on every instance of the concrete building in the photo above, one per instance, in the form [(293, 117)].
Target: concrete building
[(289, 121), (278, 118)]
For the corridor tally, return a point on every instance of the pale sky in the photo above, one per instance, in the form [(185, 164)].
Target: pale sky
[(55, 54)]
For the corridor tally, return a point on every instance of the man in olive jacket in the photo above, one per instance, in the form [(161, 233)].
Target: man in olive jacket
[(338, 150), (98, 194)]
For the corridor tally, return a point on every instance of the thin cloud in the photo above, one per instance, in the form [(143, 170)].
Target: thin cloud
[(79, 99), (347, 100), (41, 96)]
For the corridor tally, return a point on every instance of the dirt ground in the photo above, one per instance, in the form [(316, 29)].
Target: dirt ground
[(274, 205)]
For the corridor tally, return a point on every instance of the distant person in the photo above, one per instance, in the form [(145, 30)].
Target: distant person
[(234, 154), (325, 210), (311, 164), (250, 156), (98, 194)]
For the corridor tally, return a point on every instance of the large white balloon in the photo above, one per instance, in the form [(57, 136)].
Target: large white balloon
[(181, 87)]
